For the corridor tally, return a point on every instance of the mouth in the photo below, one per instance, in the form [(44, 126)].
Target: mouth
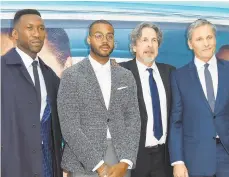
[(207, 49), (149, 52), (105, 48), (36, 43)]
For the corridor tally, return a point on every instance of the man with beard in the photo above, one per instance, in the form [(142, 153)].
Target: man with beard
[(154, 99), (30, 131), (98, 109)]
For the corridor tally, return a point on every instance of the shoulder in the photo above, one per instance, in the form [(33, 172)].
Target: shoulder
[(76, 71), (165, 66), (182, 71), (127, 64), (123, 71), (224, 62)]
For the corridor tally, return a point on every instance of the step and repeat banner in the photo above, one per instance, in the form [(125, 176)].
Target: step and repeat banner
[(67, 27)]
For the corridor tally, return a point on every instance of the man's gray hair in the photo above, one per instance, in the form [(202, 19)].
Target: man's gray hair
[(137, 33), (198, 23)]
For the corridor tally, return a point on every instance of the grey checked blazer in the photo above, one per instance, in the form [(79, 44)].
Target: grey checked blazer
[(84, 117)]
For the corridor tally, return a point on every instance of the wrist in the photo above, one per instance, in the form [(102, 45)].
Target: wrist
[(102, 169), (124, 165)]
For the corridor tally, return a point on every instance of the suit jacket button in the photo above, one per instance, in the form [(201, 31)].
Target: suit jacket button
[(34, 151), (108, 120), (214, 117), (34, 126), (214, 138), (30, 102)]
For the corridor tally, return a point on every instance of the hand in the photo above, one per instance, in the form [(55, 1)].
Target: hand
[(65, 173), (180, 170), (118, 170), (103, 170)]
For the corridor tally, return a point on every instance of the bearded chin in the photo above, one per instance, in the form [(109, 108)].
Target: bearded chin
[(148, 60)]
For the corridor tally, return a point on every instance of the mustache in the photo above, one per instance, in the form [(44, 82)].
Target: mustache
[(149, 51), (105, 45)]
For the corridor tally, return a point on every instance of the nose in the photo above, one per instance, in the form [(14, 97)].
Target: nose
[(104, 40), (206, 42), (150, 43), (36, 32)]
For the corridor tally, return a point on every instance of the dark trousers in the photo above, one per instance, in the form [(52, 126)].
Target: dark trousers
[(150, 162)]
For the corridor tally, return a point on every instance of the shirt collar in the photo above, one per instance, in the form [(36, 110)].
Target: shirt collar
[(142, 67), (97, 66), (199, 63), (27, 60)]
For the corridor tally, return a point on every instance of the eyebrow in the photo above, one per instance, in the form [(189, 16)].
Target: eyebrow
[(102, 33)]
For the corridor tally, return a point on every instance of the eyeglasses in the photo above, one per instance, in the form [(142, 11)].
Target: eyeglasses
[(100, 36)]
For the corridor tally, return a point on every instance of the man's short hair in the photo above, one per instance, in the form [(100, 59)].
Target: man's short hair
[(99, 22), (198, 23), (137, 33), (22, 12)]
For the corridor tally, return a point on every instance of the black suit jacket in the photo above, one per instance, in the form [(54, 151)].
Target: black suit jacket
[(165, 71), (20, 119)]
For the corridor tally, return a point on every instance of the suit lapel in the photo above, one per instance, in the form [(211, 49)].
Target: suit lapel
[(197, 85), (25, 73), (46, 76), (93, 81), (222, 77), (164, 77), (13, 58), (114, 84), (134, 69)]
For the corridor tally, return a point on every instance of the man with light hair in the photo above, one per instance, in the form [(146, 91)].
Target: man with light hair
[(153, 85), (199, 136)]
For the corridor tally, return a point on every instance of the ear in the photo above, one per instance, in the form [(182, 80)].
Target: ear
[(134, 49), (15, 34), (89, 40), (190, 45)]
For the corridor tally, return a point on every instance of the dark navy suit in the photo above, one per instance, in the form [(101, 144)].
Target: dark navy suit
[(193, 124), (21, 152)]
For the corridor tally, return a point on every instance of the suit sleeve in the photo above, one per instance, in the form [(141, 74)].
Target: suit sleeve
[(79, 143), (133, 125), (176, 125)]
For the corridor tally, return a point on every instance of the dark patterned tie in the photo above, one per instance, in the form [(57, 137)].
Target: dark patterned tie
[(37, 81), (46, 141), (157, 125), (209, 87)]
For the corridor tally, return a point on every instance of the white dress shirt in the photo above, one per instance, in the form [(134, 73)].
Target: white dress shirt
[(213, 69), (103, 74), (144, 77), (27, 60)]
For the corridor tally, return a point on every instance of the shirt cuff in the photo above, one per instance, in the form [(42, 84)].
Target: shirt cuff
[(98, 165), (128, 162), (177, 162)]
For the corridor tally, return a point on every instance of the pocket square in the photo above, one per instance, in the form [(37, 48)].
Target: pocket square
[(120, 88)]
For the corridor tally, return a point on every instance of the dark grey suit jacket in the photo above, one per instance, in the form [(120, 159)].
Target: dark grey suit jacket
[(84, 117)]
